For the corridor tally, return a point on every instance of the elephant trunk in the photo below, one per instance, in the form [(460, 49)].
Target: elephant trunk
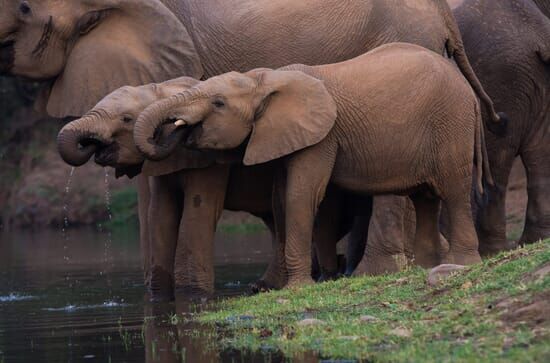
[(76, 142), (149, 136)]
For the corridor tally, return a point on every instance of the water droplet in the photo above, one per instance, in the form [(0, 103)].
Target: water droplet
[(107, 254)]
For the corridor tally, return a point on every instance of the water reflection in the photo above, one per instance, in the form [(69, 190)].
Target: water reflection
[(170, 340), (71, 304)]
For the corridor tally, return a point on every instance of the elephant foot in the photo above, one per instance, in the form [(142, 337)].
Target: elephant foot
[(261, 286), (532, 235), (331, 275), (193, 292), (488, 249), (465, 258), (299, 282), (271, 281), (382, 264), (161, 285), (427, 260), (161, 297)]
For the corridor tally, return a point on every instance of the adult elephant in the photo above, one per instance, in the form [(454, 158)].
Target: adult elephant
[(88, 48), (518, 80)]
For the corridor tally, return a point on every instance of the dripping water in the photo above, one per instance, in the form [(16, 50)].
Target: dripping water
[(65, 226), (107, 254)]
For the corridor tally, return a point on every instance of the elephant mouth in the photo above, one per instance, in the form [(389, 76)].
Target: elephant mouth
[(107, 154), (128, 170), (7, 56), (168, 134), (187, 135)]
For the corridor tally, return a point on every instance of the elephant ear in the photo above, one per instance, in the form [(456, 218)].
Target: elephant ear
[(133, 42), (296, 112)]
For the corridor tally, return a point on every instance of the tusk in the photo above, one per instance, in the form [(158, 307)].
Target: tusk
[(180, 123)]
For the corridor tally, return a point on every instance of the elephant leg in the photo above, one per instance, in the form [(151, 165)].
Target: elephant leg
[(204, 191), (426, 239), (537, 217), (327, 231), (275, 275), (280, 279), (357, 239), (462, 238), (391, 227), (143, 209), (164, 216), (491, 217), (308, 174)]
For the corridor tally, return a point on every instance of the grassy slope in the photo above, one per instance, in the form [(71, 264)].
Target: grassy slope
[(471, 317)]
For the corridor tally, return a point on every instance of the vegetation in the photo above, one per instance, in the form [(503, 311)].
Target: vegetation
[(496, 311), (123, 208)]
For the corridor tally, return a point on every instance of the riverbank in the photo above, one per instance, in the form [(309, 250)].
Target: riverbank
[(495, 311)]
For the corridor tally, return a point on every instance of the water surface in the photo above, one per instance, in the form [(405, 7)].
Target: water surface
[(78, 296)]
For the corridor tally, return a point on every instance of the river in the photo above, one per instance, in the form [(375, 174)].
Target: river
[(78, 296)]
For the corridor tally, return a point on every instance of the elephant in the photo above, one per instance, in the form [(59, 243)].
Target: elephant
[(75, 46), (518, 80), (112, 122), (399, 119)]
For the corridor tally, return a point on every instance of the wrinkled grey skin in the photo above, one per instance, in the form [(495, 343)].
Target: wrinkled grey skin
[(112, 122), (274, 113), (71, 45), (508, 43)]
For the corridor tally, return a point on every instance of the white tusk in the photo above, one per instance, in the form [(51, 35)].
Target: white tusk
[(179, 123)]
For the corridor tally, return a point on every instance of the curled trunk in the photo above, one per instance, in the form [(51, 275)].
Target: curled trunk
[(158, 144), (77, 141)]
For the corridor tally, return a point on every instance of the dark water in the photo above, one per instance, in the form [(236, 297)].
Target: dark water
[(79, 297)]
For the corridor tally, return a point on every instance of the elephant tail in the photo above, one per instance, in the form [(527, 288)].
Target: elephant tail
[(455, 48), (481, 156)]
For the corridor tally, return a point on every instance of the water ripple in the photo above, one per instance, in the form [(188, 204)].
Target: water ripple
[(13, 297), (106, 304)]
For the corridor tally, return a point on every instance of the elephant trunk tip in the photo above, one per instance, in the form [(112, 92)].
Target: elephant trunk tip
[(74, 148)]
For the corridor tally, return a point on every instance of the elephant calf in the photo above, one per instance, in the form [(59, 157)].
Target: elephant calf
[(399, 119), (106, 132)]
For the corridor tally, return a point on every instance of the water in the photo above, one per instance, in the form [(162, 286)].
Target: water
[(54, 309)]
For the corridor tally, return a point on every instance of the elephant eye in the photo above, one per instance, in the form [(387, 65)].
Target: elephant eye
[(218, 103), (127, 119), (24, 8)]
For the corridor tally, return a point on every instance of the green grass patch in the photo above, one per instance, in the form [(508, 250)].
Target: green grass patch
[(470, 317)]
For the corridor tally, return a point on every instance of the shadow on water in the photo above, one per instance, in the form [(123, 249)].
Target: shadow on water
[(62, 301)]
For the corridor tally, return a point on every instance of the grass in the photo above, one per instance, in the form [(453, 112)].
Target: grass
[(471, 317)]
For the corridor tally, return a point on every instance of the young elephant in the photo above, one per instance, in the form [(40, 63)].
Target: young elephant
[(399, 119), (107, 132)]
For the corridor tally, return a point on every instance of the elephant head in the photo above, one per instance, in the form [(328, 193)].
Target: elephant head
[(278, 112), (89, 48), (107, 130)]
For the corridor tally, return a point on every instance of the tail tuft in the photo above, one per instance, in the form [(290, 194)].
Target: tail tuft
[(500, 127)]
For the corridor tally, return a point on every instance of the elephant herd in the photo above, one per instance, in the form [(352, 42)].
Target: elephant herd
[(324, 118)]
